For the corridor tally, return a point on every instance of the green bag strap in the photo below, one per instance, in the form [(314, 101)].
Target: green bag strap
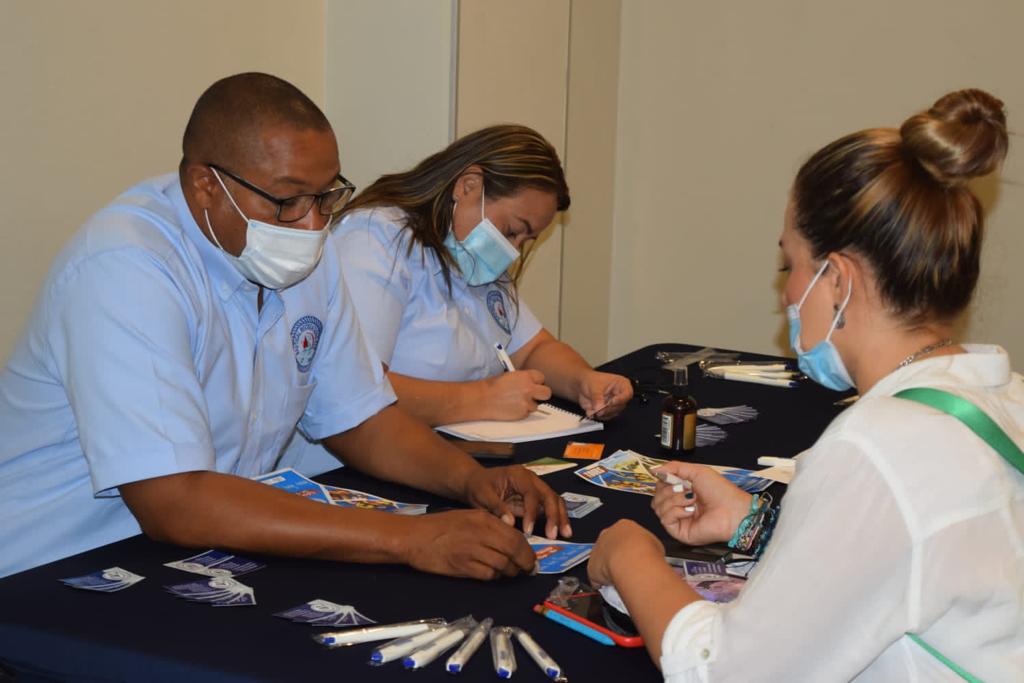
[(972, 416), (991, 433), (945, 660)]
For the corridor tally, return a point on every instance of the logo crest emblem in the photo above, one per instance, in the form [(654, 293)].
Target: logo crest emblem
[(496, 305), (305, 337)]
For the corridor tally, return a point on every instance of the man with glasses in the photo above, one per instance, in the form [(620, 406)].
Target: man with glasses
[(184, 333)]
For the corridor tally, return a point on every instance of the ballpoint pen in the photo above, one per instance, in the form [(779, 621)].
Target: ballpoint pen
[(757, 379), (549, 666), (594, 412), (458, 661), (367, 634), (419, 658), (504, 358), (501, 651), (400, 647)]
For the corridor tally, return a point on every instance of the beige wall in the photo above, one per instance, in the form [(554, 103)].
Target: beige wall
[(680, 124), (592, 109), (513, 58), (719, 104), (96, 95), (390, 82)]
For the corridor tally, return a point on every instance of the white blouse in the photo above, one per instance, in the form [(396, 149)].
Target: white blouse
[(899, 519)]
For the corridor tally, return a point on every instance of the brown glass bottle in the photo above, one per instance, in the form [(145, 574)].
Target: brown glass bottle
[(679, 417)]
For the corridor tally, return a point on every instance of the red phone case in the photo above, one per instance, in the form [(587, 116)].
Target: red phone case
[(620, 640)]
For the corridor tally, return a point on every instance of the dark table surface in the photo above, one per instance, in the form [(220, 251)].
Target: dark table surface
[(143, 633)]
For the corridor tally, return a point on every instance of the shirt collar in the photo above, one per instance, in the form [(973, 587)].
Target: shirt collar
[(983, 366), (226, 278)]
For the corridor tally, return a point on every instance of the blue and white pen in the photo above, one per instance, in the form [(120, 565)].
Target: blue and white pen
[(396, 649), (434, 649), (537, 653), (501, 652), (461, 656), (504, 358), (366, 634)]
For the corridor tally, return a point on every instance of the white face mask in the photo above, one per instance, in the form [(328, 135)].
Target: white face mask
[(274, 257)]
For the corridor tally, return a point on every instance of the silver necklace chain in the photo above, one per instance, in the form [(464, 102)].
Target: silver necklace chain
[(924, 351)]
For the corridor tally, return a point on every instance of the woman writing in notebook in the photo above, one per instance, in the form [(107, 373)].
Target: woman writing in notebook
[(426, 256), (898, 552)]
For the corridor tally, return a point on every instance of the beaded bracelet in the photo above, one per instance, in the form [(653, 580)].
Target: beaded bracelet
[(756, 528)]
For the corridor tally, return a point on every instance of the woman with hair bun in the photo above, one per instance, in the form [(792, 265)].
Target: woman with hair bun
[(899, 552)]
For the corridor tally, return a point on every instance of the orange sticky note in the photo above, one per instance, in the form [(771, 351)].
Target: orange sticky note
[(583, 451)]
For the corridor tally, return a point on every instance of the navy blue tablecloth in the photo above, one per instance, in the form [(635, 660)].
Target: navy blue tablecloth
[(50, 631)]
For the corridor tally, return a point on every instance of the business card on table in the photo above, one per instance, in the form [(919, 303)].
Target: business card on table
[(555, 557), (321, 612), (289, 480), (583, 451), (579, 505), (216, 563), (219, 591), (108, 580), (542, 466)]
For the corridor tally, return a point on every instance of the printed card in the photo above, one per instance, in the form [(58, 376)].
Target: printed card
[(321, 612), (628, 471), (710, 579), (291, 481), (583, 451), (367, 501), (542, 466), (216, 563), (108, 580), (578, 505), (555, 557), (219, 591)]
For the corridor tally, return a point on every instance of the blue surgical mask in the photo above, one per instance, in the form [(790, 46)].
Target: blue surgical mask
[(822, 363), (485, 254)]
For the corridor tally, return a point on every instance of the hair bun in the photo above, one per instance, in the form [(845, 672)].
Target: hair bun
[(962, 136)]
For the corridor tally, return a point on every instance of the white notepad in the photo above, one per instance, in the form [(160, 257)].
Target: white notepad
[(547, 422)]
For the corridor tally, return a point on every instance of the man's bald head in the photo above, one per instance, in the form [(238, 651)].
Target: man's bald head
[(229, 119)]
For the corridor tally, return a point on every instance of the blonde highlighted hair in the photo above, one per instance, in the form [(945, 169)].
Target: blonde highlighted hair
[(898, 198), (511, 157)]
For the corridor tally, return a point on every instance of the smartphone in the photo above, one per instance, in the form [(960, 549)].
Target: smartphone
[(589, 609), (486, 450)]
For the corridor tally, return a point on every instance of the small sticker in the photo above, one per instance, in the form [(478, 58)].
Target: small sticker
[(583, 451)]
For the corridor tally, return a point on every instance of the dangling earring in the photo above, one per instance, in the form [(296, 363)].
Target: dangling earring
[(841, 321)]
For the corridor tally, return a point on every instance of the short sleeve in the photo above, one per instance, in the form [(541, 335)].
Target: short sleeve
[(350, 382), (372, 257), (121, 338), (527, 326)]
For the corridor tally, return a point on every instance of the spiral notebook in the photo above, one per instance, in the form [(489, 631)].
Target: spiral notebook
[(547, 422)]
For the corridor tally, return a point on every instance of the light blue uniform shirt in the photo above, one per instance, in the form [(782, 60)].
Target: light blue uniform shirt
[(145, 356), (408, 316)]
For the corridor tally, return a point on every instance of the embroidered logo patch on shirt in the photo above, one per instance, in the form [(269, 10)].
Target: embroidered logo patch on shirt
[(496, 305), (305, 337)]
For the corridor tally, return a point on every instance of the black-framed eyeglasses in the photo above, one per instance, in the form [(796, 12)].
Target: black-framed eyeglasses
[(290, 209)]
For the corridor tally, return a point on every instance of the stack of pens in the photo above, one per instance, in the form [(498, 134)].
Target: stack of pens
[(418, 643), (773, 374)]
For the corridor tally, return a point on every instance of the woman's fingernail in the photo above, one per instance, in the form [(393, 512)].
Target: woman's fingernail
[(688, 495)]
